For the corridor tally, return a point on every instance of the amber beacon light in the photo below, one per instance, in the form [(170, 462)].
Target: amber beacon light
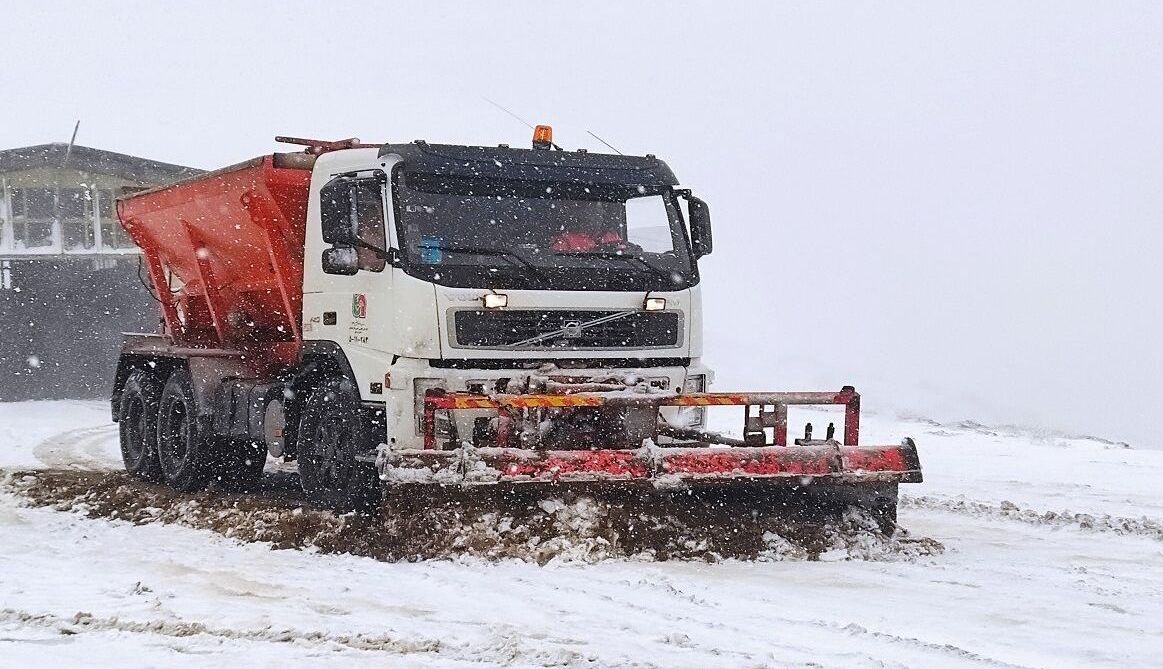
[(542, 137)]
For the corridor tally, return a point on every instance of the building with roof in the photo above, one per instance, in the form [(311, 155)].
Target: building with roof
[(69, 280), (56, 199)]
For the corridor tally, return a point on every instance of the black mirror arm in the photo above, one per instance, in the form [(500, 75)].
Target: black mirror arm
[(390, 256)]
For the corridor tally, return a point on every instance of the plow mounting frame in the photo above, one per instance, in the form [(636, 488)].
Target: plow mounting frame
[(504, 451)]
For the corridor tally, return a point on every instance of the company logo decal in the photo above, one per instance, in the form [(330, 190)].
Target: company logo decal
[(359, 305)]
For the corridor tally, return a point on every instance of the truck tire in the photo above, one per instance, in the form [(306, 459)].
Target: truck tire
[(331, 433), (185, 443), (137, 419)]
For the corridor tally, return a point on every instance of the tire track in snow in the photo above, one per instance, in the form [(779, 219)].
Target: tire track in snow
[(1092, 522), (86, 448), (666, 585), (945, 649), (681, 608), (87, 622), (504, 647)]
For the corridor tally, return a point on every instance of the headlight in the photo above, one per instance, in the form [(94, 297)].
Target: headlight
[(694, 417), (695, 383), (495, 300)]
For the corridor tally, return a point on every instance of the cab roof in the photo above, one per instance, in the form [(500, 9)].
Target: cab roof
[(530, 164)]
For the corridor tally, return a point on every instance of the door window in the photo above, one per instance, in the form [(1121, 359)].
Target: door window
[(648, 224), (352, 211), (369, 222)]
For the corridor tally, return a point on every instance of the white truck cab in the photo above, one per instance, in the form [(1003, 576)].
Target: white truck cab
[(474, 268)]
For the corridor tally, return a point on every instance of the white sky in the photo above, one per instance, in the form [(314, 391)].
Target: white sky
[(956, 207)]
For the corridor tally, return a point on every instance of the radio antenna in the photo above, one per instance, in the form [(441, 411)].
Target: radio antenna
[(611, 146), (72, 141), (508, 111)]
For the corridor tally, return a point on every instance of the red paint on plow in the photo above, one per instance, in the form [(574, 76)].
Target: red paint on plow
[(699, 464), (758, 462), (874, 460), (885, 462), (558, 464)]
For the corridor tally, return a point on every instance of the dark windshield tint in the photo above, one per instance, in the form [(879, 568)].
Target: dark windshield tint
[(528, 234)]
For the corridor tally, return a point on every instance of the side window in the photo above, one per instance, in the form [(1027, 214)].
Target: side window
[(648, 224), (369, 222), (352, 213)]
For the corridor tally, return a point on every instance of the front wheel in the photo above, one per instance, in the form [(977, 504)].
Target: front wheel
[(330, 436)]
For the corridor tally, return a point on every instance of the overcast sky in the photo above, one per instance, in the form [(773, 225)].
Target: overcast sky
[(955, 207)]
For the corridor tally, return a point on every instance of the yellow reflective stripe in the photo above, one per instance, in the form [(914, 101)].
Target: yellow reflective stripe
[(551, 401), (562, 401), (473, 403), (708, 400)]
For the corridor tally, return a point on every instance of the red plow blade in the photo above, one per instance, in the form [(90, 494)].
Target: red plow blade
[(675, 466)]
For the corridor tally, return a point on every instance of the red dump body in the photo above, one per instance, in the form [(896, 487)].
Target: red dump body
[(225, 254)]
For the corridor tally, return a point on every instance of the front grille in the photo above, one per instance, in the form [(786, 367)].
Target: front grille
[(512, 328)]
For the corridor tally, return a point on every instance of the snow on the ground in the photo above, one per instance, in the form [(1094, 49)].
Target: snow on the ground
[(1054, 559)]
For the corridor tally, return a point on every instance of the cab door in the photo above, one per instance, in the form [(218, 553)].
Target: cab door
[(347, 293)]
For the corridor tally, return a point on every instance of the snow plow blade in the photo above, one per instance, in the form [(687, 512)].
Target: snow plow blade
[(511, 443), (664, 467)]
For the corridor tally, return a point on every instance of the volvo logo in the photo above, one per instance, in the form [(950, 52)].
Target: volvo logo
[(571, 329)]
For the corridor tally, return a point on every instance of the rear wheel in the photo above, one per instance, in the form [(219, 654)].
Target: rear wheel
[(184, 440), (137, 420), (331, 434)]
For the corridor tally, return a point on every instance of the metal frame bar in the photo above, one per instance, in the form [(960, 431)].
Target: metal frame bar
[(210, 294), (436, 400)]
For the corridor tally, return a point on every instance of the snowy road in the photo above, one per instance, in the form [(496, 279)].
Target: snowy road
[(1054, 558)]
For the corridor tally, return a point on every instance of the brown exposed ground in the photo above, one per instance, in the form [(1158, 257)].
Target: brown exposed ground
[(536, 526)]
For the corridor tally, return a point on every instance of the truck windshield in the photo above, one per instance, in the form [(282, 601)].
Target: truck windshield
[(499, 233)]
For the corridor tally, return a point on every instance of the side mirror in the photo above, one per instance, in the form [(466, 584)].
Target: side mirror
[(700, 226), (337, 212), (341, 260)]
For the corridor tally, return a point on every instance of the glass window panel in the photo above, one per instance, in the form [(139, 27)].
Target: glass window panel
[(648, 224), (369, 208), (74, 202), (41, 202), (19, 210), (36, 233)]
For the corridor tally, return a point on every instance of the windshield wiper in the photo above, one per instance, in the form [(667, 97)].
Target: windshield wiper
[(504, 253), (655, 269)]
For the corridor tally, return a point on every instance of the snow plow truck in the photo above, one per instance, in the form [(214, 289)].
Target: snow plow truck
[(401, 316)]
